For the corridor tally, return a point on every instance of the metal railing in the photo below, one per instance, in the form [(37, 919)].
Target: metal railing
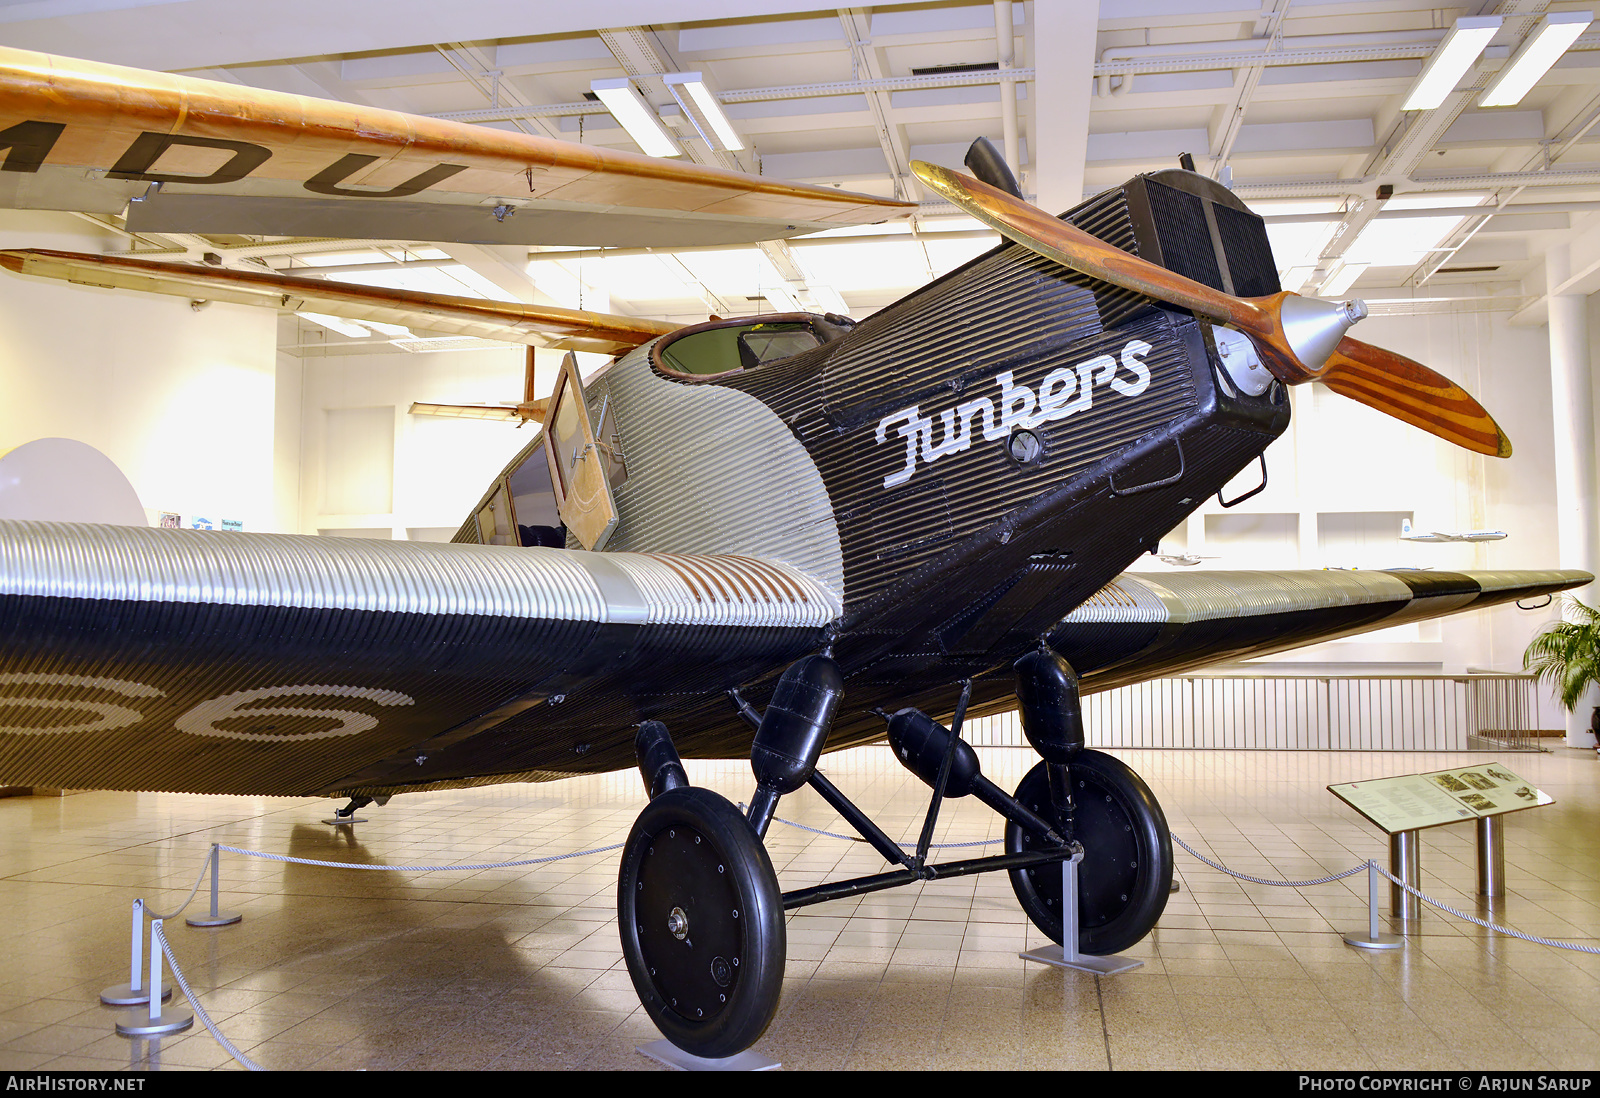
[(1304, 713)]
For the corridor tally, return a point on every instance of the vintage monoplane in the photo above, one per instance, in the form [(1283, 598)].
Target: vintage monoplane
[(770, 536)]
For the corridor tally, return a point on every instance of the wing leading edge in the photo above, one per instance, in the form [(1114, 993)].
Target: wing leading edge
[(195, 661), (204, 156), (1143, 626)]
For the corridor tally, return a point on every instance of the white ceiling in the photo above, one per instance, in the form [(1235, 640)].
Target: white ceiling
[(1296, 103)]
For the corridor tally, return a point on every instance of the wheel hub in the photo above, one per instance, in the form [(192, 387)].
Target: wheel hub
[(688, 922)]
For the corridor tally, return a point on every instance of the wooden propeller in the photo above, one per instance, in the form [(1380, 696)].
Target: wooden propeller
[(1409, 391), (1297, 338)]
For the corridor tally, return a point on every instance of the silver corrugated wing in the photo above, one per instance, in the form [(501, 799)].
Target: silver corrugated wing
[(1501, 580), (1207, 596), (137, 564)]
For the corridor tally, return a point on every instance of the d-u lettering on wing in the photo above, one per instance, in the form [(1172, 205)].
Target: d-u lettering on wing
[(78, 135)]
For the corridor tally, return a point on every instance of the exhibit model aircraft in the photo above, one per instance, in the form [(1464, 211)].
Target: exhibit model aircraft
[(765, 536), (1406, 534)]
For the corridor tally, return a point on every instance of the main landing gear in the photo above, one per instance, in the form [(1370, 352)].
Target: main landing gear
[(698, 904)]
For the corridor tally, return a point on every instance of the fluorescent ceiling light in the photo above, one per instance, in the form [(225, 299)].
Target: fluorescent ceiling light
[(1298, 276), (708, 108), (1343, 279), (1450, 62), (337, 324), (628, 107), (1407, 241), (1539, 51), (829, 300), (387, 329), (783, 299)]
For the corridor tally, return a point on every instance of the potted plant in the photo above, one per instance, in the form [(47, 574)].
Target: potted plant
[(1567, 655)]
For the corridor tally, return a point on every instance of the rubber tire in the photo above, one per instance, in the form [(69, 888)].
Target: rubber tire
[(683, 877), (1118, 822)]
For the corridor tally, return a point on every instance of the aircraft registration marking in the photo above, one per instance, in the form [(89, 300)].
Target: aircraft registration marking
[(202, 719), (1062, 392)]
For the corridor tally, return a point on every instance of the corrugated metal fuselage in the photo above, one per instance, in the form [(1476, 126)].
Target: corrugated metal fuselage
[(960, 544)]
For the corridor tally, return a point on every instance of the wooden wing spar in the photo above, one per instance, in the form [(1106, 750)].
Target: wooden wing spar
[(202, 156), (513, 322), (531, 409)]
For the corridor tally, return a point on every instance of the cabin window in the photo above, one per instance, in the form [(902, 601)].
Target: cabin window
[(495, 525), (533, 503), (727, 345)]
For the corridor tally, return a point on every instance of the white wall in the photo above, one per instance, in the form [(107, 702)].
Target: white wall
[(183, 401), (435, 469), (1342, 469)]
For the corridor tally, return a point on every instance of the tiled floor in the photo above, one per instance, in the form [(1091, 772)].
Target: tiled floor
[(521, 968)]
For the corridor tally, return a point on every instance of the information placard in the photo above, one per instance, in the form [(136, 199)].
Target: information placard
[(1413, 801)]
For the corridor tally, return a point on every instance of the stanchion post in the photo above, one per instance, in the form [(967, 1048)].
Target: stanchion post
[(155, 1021), (1066, 955), (1375, 938), (215, 917), (1491, 856), (133, 992)]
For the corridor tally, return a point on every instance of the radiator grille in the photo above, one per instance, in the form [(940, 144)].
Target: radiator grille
[(1182, 234), (1244, 242)]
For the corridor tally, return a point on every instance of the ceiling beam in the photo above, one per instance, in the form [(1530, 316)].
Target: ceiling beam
[(1060, 100), (478, 68), (864, 64), (1415, 136), (172, 35), (1270, 25)]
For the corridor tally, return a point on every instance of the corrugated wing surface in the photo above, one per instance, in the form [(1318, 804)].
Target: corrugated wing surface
[(199, 661)]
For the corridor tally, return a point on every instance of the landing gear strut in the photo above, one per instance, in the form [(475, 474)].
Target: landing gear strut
[(699, 908), (1126, 873)]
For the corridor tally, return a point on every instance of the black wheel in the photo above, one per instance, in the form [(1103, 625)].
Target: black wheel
[(701, 917), (1126, 872)]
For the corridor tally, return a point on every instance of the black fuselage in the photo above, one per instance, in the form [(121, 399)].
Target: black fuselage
[(997, 447)]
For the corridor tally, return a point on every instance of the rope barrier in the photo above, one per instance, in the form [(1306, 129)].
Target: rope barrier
[(192, 892), (1418, 893), (194, 1000), (200, 1011), (1362, 868), (233, 1051), (415, 868), (1497, 928)]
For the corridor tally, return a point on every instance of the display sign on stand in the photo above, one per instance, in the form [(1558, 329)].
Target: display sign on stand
[(1411, 802), (1408, 803)]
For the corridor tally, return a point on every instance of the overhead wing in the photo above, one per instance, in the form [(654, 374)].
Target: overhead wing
[(1144, 626), (206, 157), (546, 325), (137, 658)]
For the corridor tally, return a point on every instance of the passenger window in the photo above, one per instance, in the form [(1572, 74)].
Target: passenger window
[(533, 503), (495, 519)]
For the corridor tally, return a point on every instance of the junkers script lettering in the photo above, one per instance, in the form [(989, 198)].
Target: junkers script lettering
[(1062, 392)]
